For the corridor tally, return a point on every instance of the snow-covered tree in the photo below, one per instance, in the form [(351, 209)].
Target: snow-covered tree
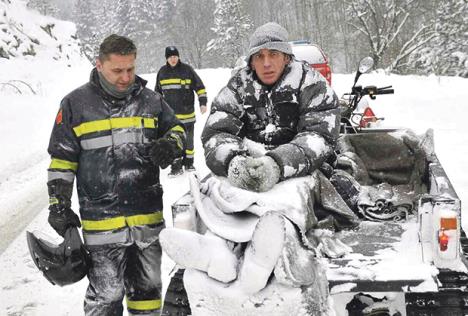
[(145, 22), (447, 53), (383, 24), (191, 36), (44, 7), (232, 26), (94, 22)]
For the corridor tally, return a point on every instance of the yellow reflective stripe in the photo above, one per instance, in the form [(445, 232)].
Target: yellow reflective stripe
[(149, 122), (126, 122), (201, 91), (63, 164), (189, 152), (175, 81), (144, 305), (169, 81), (115, 122), (178, 128), (104, 224), (145, 219), (93, 126), (185, 116), (53, 200), (122, 221)]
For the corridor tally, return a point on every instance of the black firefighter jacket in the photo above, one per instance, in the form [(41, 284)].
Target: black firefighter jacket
[(177, 85), (105, 142), (297, 120)]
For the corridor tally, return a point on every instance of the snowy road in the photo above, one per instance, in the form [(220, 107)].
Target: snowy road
[(420, 102)]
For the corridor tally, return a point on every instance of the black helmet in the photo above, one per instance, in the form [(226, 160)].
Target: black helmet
[(61, 264)]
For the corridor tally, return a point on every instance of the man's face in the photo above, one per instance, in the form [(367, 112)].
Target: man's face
[(269, 65), (172, 60), (119, 70)]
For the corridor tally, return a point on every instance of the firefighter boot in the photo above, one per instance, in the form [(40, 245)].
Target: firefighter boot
[(188, 164), (262, 253)]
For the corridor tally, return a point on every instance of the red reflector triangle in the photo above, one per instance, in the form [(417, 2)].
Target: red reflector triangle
[(367, 117)]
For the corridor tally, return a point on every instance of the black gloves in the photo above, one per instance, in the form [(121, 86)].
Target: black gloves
[(164, 151), (61, 216)]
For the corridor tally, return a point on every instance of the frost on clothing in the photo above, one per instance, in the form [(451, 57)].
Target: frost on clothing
[(257, 234), (297, 120), (106, 143)]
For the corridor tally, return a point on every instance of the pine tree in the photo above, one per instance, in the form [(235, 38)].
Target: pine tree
[(141, 22), (232, 28), (89, 27)]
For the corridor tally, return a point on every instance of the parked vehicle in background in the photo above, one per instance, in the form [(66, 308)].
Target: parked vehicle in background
[(314, 55), (302, 50)]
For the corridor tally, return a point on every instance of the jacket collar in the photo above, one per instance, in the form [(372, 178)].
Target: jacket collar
[(139, 85)]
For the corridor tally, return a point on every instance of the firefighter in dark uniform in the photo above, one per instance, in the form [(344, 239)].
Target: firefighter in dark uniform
[(177, 81), (112, 134)]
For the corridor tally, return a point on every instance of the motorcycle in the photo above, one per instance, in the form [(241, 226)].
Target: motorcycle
[(356, 114)]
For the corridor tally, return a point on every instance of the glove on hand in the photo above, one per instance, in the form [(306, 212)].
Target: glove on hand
[(164, 151), (254, 174), (61, 218), (61, 215)]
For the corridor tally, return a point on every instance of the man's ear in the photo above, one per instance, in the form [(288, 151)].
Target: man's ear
[(98, 64)]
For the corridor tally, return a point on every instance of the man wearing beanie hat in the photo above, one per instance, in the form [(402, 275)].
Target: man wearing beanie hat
[(177, 81), (276, 119), (276, 101)]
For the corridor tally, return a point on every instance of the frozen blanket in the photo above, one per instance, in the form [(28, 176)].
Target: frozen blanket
[(232, 213)]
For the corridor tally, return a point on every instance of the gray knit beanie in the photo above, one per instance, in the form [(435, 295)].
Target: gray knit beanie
[(269, 36)]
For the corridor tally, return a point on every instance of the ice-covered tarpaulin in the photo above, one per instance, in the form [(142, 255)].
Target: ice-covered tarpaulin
[(390, 169), (267, 232)]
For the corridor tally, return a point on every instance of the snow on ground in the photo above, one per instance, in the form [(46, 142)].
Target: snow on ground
[(420, 102)]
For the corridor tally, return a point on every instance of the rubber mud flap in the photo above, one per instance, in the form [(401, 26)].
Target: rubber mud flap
[(176, 301)]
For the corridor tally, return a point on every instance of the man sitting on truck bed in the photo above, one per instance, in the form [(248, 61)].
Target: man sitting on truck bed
[(279, 102)]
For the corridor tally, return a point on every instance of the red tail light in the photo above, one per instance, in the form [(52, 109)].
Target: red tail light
[(324, 70), (443, 240), (367, 117)]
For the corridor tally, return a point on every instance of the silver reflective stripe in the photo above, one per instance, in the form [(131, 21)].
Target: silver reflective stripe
[(129, 137), (119, 237), (171, 86), (114, 139), (175, 86), (188, 155), (189, 120), (65, 175), (202, 95), (98, 142)]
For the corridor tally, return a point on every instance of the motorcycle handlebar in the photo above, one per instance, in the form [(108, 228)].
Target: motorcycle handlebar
[(388, 91)]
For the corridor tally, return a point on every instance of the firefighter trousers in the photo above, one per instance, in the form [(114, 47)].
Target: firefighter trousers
[(124, 269), (189, 150)]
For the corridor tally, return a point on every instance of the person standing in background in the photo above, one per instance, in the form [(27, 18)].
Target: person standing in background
[(177, 81)]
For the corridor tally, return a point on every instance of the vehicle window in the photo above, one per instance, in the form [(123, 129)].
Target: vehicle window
[(309, 53)]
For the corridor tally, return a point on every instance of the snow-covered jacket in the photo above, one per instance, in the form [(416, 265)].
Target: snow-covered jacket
[(297, 120), (177, 85), (105, 143)]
